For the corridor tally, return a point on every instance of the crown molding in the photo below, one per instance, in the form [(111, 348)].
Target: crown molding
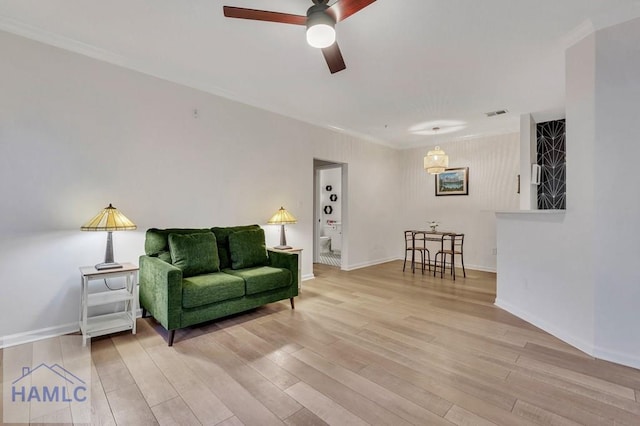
[(617, 16), (38, 34), (600, 22), (578, 33)]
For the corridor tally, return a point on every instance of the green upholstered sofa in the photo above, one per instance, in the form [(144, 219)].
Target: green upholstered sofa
[(189, 276)]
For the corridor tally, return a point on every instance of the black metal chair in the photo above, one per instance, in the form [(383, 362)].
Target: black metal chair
[(452, 245), (415, 241)]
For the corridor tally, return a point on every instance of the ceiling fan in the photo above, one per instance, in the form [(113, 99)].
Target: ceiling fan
[(320, 22)]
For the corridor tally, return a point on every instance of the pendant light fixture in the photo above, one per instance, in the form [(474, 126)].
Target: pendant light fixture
[(436, 161)]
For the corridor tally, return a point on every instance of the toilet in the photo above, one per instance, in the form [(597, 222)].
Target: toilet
[(325, 244), (333, 232), (331, 239)]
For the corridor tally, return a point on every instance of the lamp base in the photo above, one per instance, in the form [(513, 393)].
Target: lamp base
[(283, 247), (101, 266)]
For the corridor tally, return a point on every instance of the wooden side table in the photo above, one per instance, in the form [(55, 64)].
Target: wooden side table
[(298, 251), (98, 325)]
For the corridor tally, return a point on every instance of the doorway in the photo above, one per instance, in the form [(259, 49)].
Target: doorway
[(329, 212)]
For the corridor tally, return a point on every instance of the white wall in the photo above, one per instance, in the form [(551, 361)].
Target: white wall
[(617, 208), (528, 148), (545, 273), (77, 134), (573, 273), (493, 163)]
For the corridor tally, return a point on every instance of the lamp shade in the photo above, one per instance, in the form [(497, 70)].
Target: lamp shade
[(436, 161), (282, 217), (109, 219), (321, 31)]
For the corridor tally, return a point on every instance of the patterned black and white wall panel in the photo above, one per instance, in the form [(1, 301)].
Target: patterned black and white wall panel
[(551, 149)]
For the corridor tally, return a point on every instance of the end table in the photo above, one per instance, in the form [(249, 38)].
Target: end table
[(98, 325)]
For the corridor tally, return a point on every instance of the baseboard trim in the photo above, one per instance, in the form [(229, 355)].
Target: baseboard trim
[(478, 268), (546, 326), (369, 263), (630, 360), (458, 265), (35, 335), (466, 267), (43, 333), (626, 359), (308, 277)]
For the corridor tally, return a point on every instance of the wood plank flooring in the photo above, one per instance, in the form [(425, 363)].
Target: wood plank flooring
[(371, 346)]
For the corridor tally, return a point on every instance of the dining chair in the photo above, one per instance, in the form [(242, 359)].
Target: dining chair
[(452, 245), (415, 241)]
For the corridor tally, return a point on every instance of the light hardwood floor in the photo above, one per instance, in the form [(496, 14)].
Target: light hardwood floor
[(371, 346)]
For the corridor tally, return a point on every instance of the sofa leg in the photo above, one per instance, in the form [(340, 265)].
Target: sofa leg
[(293, 306), (144, 313), (172, 333)]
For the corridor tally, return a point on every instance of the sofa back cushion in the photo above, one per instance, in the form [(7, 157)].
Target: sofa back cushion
[(222, 237), (248, 249), (194, 254), (156, 243)]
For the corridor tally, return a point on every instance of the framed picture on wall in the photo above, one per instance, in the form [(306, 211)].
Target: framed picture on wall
[(453, 182)]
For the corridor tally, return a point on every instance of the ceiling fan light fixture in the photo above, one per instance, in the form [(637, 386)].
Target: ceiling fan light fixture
[(321, 31), (321, 36)]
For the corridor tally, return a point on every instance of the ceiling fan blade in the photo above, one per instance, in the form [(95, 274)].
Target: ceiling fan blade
[(342, 9), (264, 15), (334, 59)]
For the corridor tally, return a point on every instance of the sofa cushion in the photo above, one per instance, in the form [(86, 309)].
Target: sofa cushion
[(210, 288), (262, 278), (194, 254), (248, 249), (156, 243), (222, 237)]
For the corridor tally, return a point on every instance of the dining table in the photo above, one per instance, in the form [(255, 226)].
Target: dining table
[(429, 235)]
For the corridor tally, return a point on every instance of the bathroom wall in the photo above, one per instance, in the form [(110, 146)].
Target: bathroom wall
[(331, 177)]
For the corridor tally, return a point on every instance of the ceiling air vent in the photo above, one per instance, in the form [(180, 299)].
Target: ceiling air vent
[(494, 113)]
